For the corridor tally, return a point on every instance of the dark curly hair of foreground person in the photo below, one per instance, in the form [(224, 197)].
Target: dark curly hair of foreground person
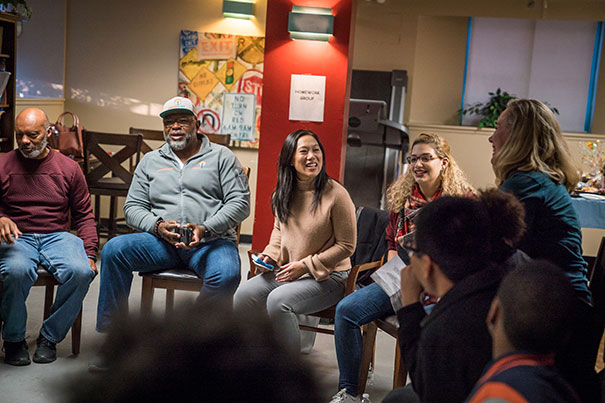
[(201, 354)]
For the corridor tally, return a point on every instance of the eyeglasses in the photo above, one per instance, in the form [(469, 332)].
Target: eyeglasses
[(181, 122), (424, 158)]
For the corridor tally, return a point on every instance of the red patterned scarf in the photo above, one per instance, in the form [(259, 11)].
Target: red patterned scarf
[(406, 226), (414, 203)]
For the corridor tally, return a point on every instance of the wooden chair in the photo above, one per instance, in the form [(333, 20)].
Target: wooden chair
[(158, 135), (390, 326), (369, 223), (177, 278), (327, 313), (369, 332), (153, 135), (98, 162), (46, 279)]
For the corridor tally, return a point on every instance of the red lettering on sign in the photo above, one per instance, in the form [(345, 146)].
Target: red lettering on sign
[(252, 83)]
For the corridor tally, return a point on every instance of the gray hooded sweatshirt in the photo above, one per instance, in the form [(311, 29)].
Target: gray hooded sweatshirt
[(211, 189)]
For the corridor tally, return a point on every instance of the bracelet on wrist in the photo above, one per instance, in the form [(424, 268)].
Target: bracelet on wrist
[(156, 227)]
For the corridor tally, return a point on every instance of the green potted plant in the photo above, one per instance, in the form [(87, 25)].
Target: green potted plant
[(491, 110), (17, 7)]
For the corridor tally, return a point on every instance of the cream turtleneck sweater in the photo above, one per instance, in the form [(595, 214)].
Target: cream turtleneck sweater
[(324, 239)]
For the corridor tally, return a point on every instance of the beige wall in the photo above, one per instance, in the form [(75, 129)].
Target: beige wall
[(399, 35), (439, 63), (428, 40), (122, 57), (472, 152), (52, 106), (122, 60)]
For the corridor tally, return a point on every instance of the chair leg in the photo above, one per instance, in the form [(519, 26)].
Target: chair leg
[(369, 340), (111, 225), (169, 301), (98, 213), (146, 296), (49, 296), (400, 371), (76, 334)]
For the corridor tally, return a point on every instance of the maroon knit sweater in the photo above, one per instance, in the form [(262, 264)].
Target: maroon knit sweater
[(38, 195)]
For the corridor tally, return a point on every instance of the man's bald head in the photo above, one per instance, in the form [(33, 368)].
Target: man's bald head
[(32, 129), (33, 115)]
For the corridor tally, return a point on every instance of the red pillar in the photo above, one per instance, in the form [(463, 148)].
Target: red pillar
[(284, 57)]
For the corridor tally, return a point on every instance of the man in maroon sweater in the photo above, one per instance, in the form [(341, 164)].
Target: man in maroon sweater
[(39, 188)]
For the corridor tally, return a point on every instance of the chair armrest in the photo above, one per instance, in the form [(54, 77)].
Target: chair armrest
[(252, 271), (355, 270)]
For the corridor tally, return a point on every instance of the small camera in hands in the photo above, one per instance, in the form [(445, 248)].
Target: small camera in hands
[(186, 234)]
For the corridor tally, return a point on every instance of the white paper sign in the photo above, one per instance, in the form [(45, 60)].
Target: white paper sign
[(307, 97), (239, 116)]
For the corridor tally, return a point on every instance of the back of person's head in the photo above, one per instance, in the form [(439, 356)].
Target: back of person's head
[(537, 301), (201, 353), (464, 235), (535, 143), (286, 175), (453, 180), (507, 222), (455, 232)]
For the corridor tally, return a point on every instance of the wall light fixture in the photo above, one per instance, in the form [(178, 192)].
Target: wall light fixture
[(312, 23), (243, 9)]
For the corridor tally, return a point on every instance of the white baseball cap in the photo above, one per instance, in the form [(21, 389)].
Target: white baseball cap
[(177, 105)]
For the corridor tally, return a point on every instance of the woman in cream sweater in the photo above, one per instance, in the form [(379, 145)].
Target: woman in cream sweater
[(314, 234)]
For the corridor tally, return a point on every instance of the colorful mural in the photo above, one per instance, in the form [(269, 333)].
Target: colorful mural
[(223, 76)]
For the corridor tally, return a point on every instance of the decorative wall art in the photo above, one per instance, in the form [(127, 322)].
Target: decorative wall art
[(223, 76)]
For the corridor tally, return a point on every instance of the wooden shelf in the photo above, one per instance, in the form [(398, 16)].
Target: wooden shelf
[(8, 59), (10, 17)]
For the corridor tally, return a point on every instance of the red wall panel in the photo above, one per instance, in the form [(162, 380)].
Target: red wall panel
[(284, 57)]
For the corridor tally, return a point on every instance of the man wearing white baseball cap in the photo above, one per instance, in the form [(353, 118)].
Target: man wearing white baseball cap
[(187, 185)]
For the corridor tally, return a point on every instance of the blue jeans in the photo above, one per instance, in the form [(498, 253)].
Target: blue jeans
[(62, 253), (357, 309), (217, 263)]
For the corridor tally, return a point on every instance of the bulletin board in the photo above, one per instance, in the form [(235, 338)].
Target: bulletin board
[(223, 76)]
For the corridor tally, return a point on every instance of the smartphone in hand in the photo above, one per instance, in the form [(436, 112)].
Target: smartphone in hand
[(259, 262)]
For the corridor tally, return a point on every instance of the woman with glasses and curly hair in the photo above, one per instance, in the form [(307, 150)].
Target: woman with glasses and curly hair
[(531, 160), (313, 236), (432, 173)]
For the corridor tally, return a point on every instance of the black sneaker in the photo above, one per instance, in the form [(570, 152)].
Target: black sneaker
[(46, 351), (15, 353)]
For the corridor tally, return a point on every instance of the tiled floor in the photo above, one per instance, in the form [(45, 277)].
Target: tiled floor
[(41, 383)]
